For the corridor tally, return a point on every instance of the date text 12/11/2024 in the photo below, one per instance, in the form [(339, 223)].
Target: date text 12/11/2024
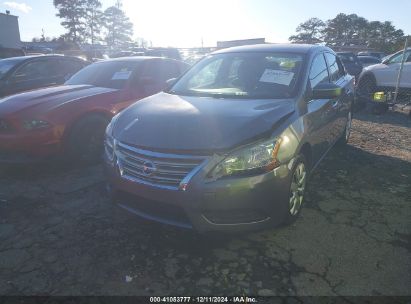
[(241, 299)]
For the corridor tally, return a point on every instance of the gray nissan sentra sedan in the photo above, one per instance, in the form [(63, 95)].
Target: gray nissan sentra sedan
[(230, 145)]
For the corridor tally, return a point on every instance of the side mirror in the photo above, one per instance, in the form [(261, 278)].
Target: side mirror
[(170, 83), (326, 91), (385, 61), (67, 77)]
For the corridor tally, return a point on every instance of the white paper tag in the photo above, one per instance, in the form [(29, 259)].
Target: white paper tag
[(122, 75), (277, 76)]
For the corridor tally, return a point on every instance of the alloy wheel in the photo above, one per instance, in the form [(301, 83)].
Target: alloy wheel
[(297, 189)]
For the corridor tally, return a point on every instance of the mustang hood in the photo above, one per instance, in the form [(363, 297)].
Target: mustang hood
[(170, 122), (49, 97)]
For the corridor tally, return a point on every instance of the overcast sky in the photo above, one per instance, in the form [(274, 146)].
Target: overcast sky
[(186, 23)]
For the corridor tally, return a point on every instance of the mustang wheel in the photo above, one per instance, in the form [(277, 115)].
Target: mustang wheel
[(86, 140)]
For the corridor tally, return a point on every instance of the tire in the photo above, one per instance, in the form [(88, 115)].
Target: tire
[(296, 191), (379, 108), (367, 86), (86, 139), (343, 140), (359, 104)]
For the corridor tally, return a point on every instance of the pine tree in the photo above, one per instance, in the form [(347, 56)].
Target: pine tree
[(73, 13), (93, 20), (309, 31), (119, 27)]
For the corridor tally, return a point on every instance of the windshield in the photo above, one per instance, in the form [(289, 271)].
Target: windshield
[(110, 74), (242, 75), (7, 64)]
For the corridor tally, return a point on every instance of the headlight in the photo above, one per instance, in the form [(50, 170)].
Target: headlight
[(109, 146), (251, 160), (4, 126), (35, 124)]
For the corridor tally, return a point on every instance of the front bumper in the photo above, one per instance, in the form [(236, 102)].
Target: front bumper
[(227, 205), (33, 146)]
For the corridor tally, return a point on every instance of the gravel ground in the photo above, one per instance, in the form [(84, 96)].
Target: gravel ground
[(60, 235)]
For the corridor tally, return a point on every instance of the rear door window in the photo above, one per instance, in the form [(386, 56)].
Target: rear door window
[(33, 70), (319, 71), (69, 67), (336, 69), (36, 69)]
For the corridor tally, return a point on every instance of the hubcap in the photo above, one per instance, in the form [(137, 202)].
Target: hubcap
[(348, 126), (297, 189)]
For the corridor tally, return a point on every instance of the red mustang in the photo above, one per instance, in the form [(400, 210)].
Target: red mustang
[(72, 118)]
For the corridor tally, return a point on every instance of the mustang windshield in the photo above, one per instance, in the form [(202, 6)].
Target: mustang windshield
[(242, 75), (110, 74)]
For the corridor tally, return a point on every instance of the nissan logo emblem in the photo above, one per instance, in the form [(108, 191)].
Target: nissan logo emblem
[(149, 168)]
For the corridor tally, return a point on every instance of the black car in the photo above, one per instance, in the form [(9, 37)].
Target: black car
[(368, 60), (229, 146), (171, 53), (18, 74), (351, 63), (379, 55)]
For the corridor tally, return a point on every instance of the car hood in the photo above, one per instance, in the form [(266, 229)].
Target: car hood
[(374, 67), (177, 123), (49, 97)]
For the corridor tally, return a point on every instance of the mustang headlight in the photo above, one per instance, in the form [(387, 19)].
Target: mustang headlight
[(251, 160), (35, 124)]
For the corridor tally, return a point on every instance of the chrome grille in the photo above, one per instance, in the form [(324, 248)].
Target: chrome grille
[(167, 171)]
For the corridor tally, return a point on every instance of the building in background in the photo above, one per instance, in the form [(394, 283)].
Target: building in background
[(9, 31), (10, 44), (227, 44)]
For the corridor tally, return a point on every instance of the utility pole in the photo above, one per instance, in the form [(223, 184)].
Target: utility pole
[(397, 87)]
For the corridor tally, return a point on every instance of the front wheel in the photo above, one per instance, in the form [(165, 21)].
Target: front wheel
[(299, 175), (367, 86), (86, 140), (379, 108), (347, 131)]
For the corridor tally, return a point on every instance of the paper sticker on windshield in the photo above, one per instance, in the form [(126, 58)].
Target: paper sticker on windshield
[(122, 75), (277, 76)]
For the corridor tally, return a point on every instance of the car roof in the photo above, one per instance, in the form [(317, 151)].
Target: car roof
[(281, 48), (23, 58), (371, 52), (133, 58), (368, 57)]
